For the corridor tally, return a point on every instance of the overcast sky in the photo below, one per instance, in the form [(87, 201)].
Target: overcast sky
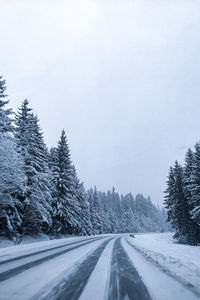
[(121, 77)]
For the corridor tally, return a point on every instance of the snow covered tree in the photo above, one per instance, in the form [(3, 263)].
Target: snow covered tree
[(193, 232), (177, 204), (183, 198), (169, 198), (128, 215), (112, 213), (5, 120), (66, 209), (105, 206), (112, 221), (194, 185), (40, 190), (11, 189), (30, 143), (11, 174), (81, 196), (117, 211), (95, 217)]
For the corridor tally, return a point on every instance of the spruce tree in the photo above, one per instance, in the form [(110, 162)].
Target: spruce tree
[(11, 174), (5, 120), (85, 227), (105, 211), (116, 208), (169, 197), (194, 186), (193, 228), (37, 213), (128, 217), (66, 209), (96, 219), (122, 214), (177, 205), (11, 189)]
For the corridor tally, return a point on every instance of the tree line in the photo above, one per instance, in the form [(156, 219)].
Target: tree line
[(182, 199), (116, 213), (40, 191)]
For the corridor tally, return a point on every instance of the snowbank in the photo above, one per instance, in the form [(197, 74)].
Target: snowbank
[(179, 261), (5, 242)]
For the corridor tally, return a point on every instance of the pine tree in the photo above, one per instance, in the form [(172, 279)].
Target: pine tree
[(193, 228), (37, 213), (96, 219), (11, 174), (116, 208), (81, 196), (11, 189), (112, 221), (66, 209), (103, 198), (176, 203), (169, 198), (114, 214), (128, 216), (194, 186), (5, 120)]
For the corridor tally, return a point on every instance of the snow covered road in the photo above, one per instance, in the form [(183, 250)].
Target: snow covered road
[(14, 266), (96, 268)]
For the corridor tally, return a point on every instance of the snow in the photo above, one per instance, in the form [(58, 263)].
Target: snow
[(4, 242), (180, 261), (27, 239), (42, 278), (169, 270), (99, 277), (18, 250), (10, 252), (160, 285)]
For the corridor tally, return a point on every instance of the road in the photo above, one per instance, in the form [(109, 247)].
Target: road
[(96, 268)]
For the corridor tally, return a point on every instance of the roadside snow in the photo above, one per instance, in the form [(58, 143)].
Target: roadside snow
[(159, 284), (5, 242), (179, 261)]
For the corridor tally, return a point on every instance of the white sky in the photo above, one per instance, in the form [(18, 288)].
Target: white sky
[(121, 77)]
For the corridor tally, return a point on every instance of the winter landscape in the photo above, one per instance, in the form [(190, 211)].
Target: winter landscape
[(99, 150)]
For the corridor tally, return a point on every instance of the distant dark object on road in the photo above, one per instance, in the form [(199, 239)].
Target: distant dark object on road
[(132, 235)]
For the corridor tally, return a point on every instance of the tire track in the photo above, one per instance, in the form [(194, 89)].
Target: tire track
[(72, 287), (21, 268), (125, 282), (39, 252)]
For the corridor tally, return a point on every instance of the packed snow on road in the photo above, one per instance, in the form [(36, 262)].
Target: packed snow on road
[(149, 266)]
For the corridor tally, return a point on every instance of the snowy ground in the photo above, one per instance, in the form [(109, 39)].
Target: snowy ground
[(180, 261), (104, 267), (4, 242)]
